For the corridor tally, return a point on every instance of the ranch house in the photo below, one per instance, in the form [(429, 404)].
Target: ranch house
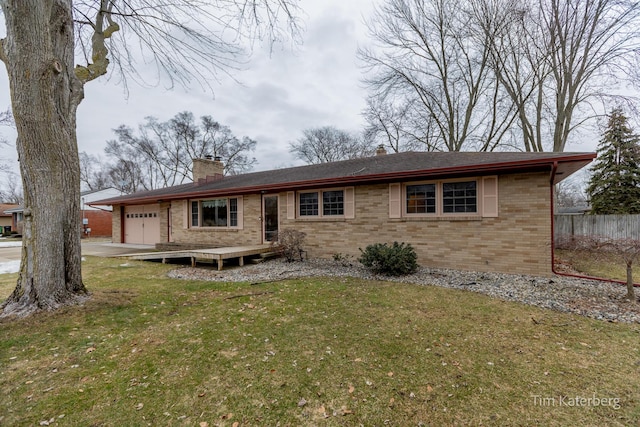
[(461, 210)]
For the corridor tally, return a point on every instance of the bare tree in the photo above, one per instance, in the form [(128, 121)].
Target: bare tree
[(397, 127), (560, 60), (11, 191), (432, 56), (184, 39), (127, 176), (164, 151), (6, 118), (625, 249), (94, 172), (328, 144), (568, 193)]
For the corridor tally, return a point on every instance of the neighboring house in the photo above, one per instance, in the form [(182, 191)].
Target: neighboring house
[(16, 218), (6, 217), (96, 219), (472, 211), (573, 210)]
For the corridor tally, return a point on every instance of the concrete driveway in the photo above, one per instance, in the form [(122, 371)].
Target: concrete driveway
[(11, 250)]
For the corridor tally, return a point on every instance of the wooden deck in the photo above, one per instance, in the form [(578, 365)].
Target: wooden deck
[(216, 254)]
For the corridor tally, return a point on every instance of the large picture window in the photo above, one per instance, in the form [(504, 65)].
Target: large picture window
[(214, 213)]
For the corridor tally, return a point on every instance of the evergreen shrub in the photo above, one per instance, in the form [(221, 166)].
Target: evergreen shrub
[(396, 260)]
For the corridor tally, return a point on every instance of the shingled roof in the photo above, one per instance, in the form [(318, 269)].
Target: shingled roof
[(381, 168)]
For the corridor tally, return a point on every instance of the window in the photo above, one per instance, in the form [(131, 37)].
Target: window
[(309, 204), (233, 212), (215, 213), (438, 198), (421, 199), (459, 197), (195, 210), (332, 203)]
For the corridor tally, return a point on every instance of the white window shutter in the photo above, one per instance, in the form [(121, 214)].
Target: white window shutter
[(395, 200), (490, 196), (349, 203), (240, 202), (291, 205)]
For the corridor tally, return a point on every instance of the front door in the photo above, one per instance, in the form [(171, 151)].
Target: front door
[(270, 218)]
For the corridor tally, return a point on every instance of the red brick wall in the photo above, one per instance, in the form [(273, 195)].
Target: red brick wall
[(99, 223)]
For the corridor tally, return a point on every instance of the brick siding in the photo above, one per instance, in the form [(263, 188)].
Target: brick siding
[(100, 223), (250, 234), (116, 224), (517, 241)]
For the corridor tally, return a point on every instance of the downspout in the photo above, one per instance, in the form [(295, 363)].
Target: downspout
[(554, 169)]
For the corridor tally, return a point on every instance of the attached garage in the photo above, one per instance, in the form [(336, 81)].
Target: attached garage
[(142, 224)]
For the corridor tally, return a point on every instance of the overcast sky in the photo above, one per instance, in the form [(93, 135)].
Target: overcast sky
[(316, 84), (312, 85)]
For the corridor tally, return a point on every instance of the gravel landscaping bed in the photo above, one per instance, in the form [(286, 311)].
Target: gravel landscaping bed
[(591, 298)]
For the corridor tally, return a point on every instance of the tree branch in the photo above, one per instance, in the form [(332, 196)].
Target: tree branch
[(100, 63)]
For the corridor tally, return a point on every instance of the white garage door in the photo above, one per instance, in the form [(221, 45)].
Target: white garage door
[(142, 224)]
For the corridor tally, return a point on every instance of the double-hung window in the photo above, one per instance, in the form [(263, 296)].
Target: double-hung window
[(436, 198), (459, 197), (332, 203), (309, 204), (321, 204), (421, 199)]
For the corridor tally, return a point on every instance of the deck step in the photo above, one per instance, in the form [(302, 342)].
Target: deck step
[(264, 257)]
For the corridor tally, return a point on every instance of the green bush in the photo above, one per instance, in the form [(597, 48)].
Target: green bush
[(396, 260)]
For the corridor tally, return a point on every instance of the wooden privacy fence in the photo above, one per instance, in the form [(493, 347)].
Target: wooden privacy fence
[(611, 226)]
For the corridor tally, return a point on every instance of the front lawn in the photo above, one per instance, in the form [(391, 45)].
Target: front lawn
[(150, 350)]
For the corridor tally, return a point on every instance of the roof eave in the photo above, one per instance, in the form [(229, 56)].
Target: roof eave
[(578, 161)]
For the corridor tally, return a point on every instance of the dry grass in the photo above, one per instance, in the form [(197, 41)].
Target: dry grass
[(151, 350), (597, 264)]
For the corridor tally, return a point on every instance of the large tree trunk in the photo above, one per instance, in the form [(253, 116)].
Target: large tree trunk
[(38, 54)]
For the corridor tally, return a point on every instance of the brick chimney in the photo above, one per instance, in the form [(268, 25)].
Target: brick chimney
[(207, 169), (380, 151)]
